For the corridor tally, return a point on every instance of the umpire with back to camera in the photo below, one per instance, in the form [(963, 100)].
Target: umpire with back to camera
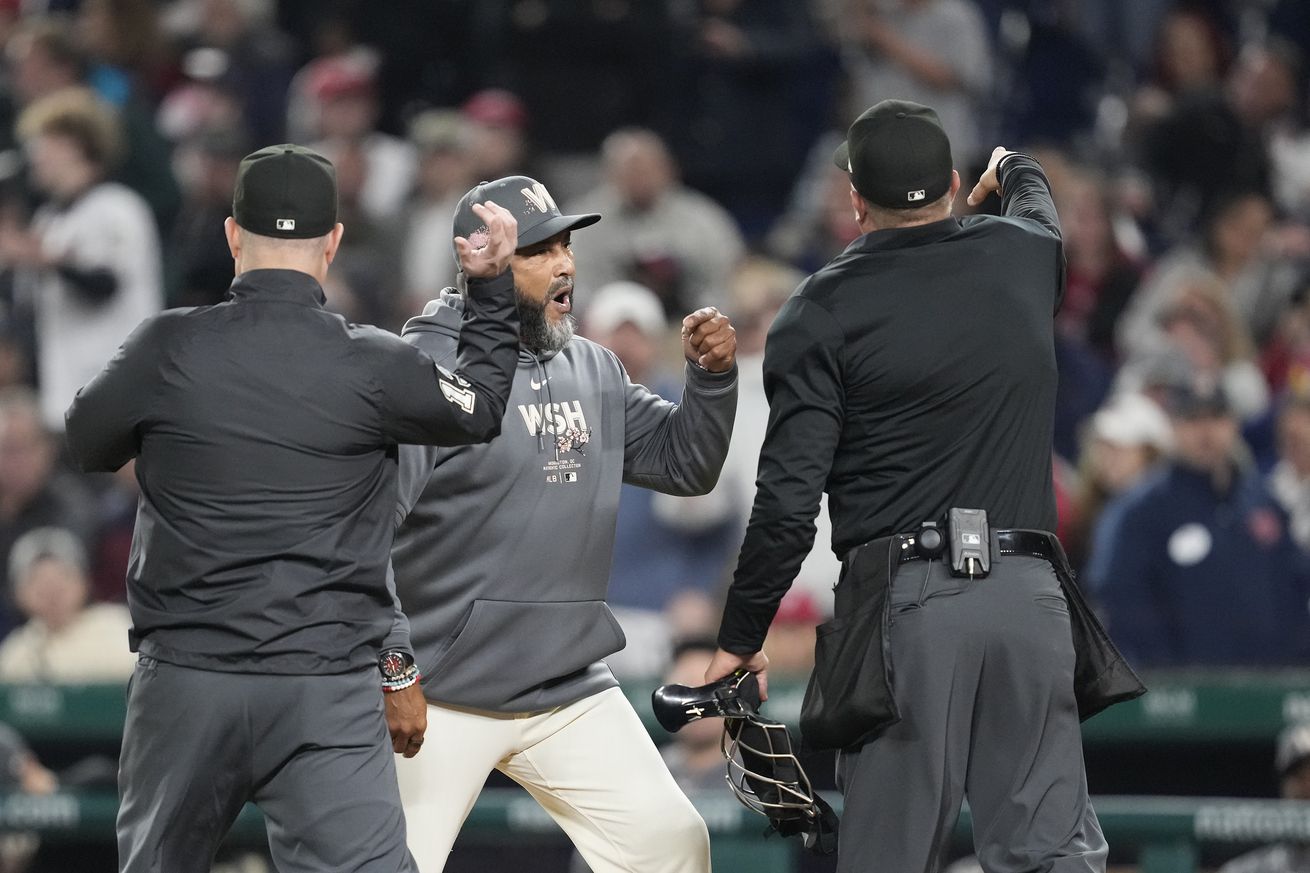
[(265, 431), (913, 378)]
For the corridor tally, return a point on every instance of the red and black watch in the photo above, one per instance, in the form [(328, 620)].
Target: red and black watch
[(398, 669)]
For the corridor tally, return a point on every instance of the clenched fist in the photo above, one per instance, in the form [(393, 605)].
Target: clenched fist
[(710, 340)]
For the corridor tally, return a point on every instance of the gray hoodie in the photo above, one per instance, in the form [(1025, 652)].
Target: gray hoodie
[(503, 550)]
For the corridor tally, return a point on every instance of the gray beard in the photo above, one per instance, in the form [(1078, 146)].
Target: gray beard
[(536, 332)]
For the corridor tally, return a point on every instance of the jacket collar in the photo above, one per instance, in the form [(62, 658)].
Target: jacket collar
[(288, 286), (904, 237)]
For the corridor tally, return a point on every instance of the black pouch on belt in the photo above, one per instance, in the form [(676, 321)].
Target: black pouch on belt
[(849, 696)]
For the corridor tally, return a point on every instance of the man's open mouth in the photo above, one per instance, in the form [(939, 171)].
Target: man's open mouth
[(563, 298)]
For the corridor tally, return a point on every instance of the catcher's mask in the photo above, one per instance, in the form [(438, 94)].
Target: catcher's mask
[(763, 771)]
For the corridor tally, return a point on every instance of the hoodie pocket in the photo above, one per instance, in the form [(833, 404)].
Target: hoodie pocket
[(503, 649)]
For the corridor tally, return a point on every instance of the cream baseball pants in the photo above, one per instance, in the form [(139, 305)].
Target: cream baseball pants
[(590, 764)]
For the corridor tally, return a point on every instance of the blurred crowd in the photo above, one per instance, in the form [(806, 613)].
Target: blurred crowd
[(1174, 132)]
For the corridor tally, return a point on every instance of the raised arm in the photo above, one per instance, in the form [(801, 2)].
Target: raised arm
[(1024, 191), (680, 449), (423, 402)]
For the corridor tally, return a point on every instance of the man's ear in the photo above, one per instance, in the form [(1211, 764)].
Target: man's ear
[(861, 208), (334, 241), (232, 231)]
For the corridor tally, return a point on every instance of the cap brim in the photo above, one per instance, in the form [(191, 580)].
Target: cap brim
[(552, 226), (842, 157)]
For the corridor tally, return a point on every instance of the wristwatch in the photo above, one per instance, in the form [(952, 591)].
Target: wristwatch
[(398, 669)]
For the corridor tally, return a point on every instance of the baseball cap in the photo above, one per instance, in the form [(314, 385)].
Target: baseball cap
[(1197, 399), (496, 107), (340, 77), (1293, 748), (45, 542), (524, 198), (439, 130), (1133, 420), (286, 191), (626, 303), (897, 154)]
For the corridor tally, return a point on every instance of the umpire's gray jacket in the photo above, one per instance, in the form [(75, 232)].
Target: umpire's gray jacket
[(502, 563)]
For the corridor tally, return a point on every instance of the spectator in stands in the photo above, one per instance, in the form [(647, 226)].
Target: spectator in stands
[(745, 69), (790, 643), (362, 285), (198, 263), (1290, 480), (675, 241), (90, 260), (44, 57), (818, 225), (1198, 322), (446, 170), (1285, 359), (1195, 567), (19, 767), (33, 492), (498, 125), (259, 56), (205, 99), (66, 638), (23, 773), (1236, 248), (345, 88), (1209, 144), (1191, 55), (127, 58), (658, 553), (1292, 764), (115, 519), (1100, 274), (1124, 441), (933, 52)]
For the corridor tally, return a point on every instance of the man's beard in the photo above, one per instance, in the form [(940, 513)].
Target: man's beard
[(535, 330)]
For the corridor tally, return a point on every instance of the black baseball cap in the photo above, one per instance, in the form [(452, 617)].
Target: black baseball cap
[(897, 154), (524, 198), (286, 191), (1196, 398)]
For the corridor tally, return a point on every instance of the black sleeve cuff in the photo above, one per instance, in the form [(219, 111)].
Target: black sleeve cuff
[(480, 289), (745, 624)]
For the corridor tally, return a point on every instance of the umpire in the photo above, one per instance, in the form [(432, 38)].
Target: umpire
[(913, 379), (265, 432)]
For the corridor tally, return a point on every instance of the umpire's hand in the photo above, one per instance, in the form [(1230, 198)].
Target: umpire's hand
[(407, 719), (725, 663), (989, 182), (709, 340), (488, 253)]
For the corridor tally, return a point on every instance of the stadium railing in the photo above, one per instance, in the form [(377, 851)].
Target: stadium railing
[(1167, 832)]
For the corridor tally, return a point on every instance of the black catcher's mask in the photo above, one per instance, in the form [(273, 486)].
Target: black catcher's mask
[(763, 771)]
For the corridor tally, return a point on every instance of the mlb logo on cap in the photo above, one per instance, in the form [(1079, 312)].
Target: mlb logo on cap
[(916, 195), (286, 224)]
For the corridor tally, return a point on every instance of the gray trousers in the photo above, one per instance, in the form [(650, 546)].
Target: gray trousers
[(983, 676), (311, 751)]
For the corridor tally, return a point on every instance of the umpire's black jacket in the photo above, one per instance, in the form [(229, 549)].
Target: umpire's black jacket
[(265, 430), (913, 373)]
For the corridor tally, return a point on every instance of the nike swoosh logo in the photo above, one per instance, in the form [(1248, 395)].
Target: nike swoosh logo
[(536, 386)]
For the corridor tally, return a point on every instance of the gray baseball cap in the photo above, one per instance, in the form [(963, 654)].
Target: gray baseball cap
[(524, 198)]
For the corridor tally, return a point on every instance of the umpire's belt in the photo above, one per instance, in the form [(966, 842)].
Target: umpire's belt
[(1033, 543)]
